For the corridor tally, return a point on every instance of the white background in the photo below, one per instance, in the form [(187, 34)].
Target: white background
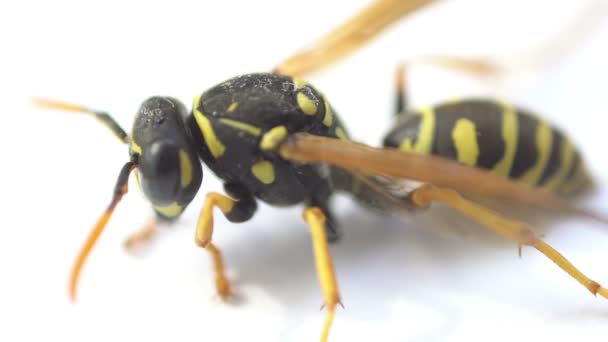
[(399, 281)]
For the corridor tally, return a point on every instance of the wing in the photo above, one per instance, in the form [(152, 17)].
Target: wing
[(349, 36), (305, 148)]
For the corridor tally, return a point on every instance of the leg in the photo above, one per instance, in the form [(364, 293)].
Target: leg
[(324, 264), (238, 210), (103, 117), (142, 237), (514, 230), (321, 200), (477, 67), (400, 89)]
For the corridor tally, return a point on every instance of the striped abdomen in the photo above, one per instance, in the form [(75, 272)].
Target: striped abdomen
[(494, 136)]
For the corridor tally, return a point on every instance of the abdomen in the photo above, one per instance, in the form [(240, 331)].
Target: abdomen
[(495, 136)]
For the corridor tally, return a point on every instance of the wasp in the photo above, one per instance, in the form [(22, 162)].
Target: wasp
[(275, 138)]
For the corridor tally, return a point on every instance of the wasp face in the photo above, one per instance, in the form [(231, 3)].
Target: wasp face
[(169, 171)]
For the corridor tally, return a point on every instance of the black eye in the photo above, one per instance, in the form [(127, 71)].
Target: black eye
[(159, 172)]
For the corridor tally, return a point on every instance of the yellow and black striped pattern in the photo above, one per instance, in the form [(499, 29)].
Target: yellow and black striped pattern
[(495, 136)]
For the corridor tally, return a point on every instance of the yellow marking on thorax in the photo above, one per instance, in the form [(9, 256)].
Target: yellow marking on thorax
[(543, 138), (215, 145), (426, 130), (185, 168), (464, 136), (566, 159), (510, 136), (306, 104), (273, 138), (299, 83), (232, 107), (249, 128), (171, 210), (341, 134), (263, 171), (328, 119)]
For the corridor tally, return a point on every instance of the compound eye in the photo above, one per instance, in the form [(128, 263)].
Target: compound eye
[(159, 172)]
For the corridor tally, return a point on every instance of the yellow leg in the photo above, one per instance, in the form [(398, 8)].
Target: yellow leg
[(517, 231), (324, 264), (142, 237), (204, 232)]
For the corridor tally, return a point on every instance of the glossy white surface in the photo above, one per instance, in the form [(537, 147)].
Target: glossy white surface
[(399, 282)]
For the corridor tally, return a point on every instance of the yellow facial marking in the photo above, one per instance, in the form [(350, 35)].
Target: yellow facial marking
[(215, 145), (232, 107), (341, 134), (249, 128), (328, 119), (136, 148), (263, 171), (170, 210), (307, 105), (273, 137), (136, 176), (426, 130), (544, 138), (509, 137), (566, 159), (299, 83), (464, 136), (185, 167)]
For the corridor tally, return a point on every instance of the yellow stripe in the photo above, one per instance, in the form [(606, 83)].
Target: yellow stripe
[(566, 159), (136, 148), (137, 183), (232, 107), (215, 145), (580, 179), (263, 171), (328, 119), (509, 136), (544, 138), (299, 83), (341, 134), (426, 130), (249, 128), (464, 136), (171, 210), (185, 168), (273, 137)]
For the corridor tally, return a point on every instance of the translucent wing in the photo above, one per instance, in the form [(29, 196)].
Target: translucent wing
[(349, 36), (307, 148)]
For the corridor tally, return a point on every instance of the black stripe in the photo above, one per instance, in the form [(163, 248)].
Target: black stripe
[(526, 153), (555, 158), (487, 117)]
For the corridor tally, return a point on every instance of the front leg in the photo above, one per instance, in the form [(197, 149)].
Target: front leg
[(315, 218), (235, 210)]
